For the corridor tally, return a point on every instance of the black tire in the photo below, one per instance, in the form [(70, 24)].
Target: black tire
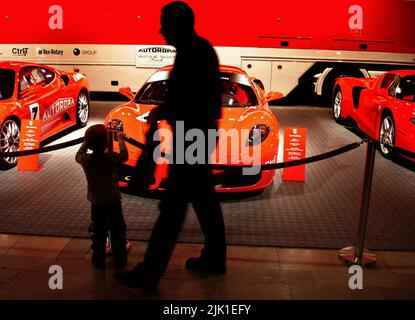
[(337, 105), (82, 109), (387, 134), (9, 142)]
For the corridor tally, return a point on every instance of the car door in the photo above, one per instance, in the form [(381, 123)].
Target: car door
[(39, 91), (402, 105), (373, 102)]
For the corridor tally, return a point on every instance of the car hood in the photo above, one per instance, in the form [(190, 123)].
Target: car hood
[(240, 119)]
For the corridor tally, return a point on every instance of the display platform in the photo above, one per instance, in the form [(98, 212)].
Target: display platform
[(321, 212)]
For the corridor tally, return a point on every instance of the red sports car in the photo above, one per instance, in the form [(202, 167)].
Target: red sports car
[(33, 91), (383, 107), (245, 110)]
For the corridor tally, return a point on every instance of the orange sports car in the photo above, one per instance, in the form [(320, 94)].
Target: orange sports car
[(33, 91), (245, 115)]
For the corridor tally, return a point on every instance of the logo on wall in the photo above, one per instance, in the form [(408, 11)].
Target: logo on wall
[(154, 56), (49, 52), (20, 52), (77, 52), (89, 52)]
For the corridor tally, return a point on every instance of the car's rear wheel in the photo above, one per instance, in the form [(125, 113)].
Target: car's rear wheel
[(9, 142), (387, 135), (337, 105), (82, 109)]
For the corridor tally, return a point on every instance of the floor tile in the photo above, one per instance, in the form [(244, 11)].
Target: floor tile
[(307, 260), (7, 241), (7, 275), (400, 262), (253, 257), (76, 249), (26, 262), (34, 246)]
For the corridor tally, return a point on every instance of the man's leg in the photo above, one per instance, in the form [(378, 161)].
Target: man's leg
[(165, 234), (209, 214)]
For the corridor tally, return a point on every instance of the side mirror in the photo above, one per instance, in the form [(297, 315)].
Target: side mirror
[(126, 91), (382, 92), (273, 95), (259, 83)]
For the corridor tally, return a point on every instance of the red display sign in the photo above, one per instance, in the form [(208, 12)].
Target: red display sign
[(29, 140), (294, 149)]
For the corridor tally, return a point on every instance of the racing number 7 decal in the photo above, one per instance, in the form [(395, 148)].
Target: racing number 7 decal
[(34, 111)]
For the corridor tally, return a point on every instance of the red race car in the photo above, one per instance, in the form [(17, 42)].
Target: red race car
[(33, 91), (245, 108), (383, 107)]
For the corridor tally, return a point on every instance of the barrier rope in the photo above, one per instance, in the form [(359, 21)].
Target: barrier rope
[(41, 150), (142, 146), (323, 156)]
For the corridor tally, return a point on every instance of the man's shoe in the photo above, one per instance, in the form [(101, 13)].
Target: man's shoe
[(135, 279), (203, 265)]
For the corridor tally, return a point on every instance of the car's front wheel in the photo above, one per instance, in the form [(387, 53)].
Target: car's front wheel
[(387, 135), (337, 105), (82, 109), (9, 142)]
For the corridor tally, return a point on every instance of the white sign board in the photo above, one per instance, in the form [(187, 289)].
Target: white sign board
[(153, 56)]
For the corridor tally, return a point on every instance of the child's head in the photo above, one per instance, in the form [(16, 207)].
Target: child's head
[(96, 138)]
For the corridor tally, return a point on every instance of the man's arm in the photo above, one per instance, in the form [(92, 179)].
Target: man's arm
[(81, 154)]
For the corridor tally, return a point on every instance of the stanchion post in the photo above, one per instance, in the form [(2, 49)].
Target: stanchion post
[(358, 255)]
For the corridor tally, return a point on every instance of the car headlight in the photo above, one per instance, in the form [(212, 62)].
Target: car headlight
[(258, 134)]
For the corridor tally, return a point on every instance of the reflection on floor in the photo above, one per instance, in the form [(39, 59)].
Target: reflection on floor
[(264, 273)]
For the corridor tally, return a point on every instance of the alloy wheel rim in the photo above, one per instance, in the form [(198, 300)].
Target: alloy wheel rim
[(387, 134), (83, 108), (9, 139), (337, 104)]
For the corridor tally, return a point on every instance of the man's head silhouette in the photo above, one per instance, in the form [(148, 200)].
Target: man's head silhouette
[(177, 22)]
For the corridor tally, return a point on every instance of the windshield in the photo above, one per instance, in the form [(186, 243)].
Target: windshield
[(236, 90), (406, 89), (6, 83)]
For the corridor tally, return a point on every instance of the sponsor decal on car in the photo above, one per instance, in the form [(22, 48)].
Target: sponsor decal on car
[(58, 107)]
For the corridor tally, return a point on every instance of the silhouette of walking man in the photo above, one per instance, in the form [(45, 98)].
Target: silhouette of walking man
[(194, 100)]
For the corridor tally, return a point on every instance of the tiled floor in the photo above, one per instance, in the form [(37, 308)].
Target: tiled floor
[(264, 273)]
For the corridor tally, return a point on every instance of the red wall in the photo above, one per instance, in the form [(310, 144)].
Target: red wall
[(388, 25)]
